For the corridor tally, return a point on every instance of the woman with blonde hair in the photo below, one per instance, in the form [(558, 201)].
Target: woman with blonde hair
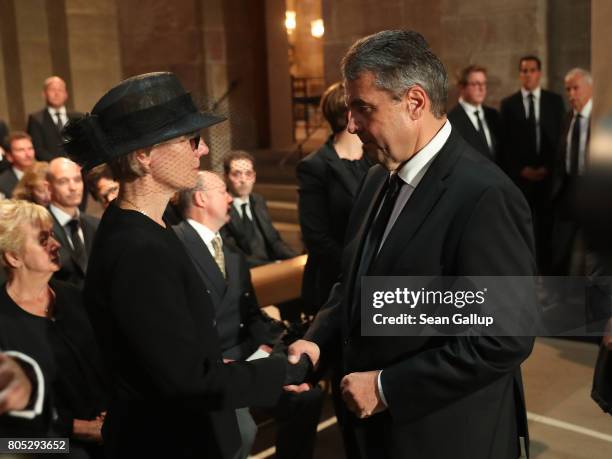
[(34, 186), (45, 319)]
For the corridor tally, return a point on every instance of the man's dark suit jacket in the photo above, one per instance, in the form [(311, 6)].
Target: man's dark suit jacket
[(70, 270), (518, 154), (457, 397), (462, 123), (240, 323), (45, 136), (4, 164), (327, 190), (172, 394), (234, 236), (8, 181)]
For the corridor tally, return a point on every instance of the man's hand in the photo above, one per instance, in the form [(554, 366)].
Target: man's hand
[(15, 387), (90, 431), (360, 393), (294, 352), (532, 174)]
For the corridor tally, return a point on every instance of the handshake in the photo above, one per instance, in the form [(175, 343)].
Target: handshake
[(360, 391)]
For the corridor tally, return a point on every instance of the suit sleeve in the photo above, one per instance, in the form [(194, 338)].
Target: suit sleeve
[(149, 307), (496, 241), (35, 129), (314, 211), (281, 250)]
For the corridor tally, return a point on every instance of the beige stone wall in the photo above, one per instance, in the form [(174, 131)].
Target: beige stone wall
[(494, 34), (602, 64)]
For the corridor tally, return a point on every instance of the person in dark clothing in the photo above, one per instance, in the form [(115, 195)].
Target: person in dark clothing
[(46, 320), (250, 229), (155, 323)]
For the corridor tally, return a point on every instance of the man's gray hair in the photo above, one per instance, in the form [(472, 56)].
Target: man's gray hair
[(184, 200), (399, 59), (577, 71)]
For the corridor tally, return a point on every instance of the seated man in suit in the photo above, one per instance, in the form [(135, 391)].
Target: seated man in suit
[(73, 229), (45, 125), (20, 155), (103, 186), (478, 124), (243, 328), (250, 228)]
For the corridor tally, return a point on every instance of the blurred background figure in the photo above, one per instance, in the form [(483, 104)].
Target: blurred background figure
[(102, 185), (4, 164), (478, 124), (46, 320), (45, 125), (250, 230), (20, 155), (328, 182), (532, 124), (34, 186)]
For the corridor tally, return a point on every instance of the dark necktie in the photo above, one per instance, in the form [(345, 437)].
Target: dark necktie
[(77, 244), (59, 122), (377, 229), (247, 223), (575, 145), (532, 126), (481, 131)]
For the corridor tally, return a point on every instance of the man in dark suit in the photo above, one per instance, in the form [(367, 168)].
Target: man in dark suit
[(445, 211), (532, 124), (20, 155), (242, 327), (73, 229), (572, 159), (478, 124), (4, 164), (45, 125), (250, 228)]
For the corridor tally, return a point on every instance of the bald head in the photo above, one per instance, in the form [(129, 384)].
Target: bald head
[(54, 91), (66, 184), (208, 202)]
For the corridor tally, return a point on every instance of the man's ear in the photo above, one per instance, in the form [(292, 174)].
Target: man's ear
[(416, 101), (198, 199)]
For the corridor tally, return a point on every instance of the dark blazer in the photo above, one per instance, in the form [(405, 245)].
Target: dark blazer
[(327, 190), (517, 153), (464, 218), (70, 270), (8, 181), (240, 323), (4, 164), (156, 328), (234, 236), (45, 136), (462, 124)]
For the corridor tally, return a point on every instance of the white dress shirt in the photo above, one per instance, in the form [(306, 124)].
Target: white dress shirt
[(205, 234), (63, 218), (237, 203), (585, 114), (537, 95), (412, 173), (63, 115), (18, 173), (470, 110)]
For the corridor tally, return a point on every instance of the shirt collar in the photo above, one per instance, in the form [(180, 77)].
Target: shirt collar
[(62, 217), (52, 111), (237, 202), (18, 173), (413, 171), (536, 92), (469, 108), (586, 110), (203, 231)]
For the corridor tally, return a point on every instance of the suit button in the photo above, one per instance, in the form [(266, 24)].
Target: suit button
[(247, 294), (241, 325), (207, 291), (346, 342), (214, 322)]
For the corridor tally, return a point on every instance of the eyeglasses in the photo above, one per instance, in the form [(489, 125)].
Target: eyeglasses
[(194, 141)]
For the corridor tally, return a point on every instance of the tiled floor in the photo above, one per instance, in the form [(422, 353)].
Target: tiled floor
[(564, 422)]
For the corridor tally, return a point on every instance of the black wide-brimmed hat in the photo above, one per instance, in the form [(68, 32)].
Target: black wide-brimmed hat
[(139, 112)]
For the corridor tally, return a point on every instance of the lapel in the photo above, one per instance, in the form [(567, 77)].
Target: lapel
[(336, 165), (205, 263), (231, 270), (63, 239), (51, 126), (415, 212)]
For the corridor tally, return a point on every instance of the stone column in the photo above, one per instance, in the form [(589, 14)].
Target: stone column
[(601, 65)]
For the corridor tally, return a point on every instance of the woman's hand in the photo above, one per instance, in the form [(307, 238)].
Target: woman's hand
[(88, 430)]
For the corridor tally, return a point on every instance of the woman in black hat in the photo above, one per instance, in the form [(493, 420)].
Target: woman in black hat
[(172, 393)]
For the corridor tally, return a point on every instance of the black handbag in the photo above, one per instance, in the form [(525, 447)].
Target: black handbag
[(602, 380)]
